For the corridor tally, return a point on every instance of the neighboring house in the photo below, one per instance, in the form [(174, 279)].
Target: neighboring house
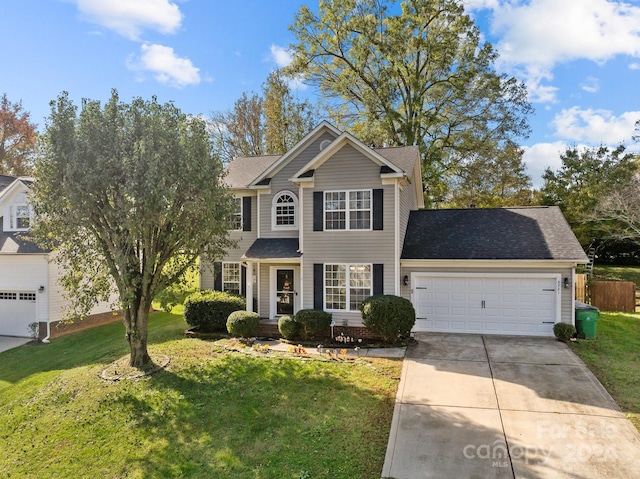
[(29, 289), (334, 221)]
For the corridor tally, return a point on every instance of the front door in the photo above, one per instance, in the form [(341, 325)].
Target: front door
[(285, 292)]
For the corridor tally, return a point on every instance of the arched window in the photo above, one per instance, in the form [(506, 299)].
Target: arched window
[(284, 211)]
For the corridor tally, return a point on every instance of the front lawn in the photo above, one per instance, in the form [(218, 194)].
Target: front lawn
[(211, 414), (614, 357)]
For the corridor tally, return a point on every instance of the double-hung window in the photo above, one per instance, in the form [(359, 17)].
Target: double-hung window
[(19, 217), (346, 286), (231, 277), (347, 210), (236, 218)]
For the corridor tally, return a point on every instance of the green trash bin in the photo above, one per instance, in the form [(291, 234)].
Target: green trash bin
[(586, 320)]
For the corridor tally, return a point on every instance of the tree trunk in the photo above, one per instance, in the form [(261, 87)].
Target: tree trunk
[(136, 325)]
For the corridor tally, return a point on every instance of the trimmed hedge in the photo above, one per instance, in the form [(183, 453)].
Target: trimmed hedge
[(289, 327), (388, 316), (243, 323), (564, 331), (313, 321), (208, 310)]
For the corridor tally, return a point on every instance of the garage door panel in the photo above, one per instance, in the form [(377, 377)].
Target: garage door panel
[(17, 311), (500, 305)]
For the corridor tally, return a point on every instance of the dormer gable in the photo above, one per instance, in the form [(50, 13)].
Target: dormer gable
[(14, 205), (322, 129)]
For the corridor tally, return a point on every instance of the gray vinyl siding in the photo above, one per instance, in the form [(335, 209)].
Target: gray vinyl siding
[(566, 295), (244, 239), (348, 170), (408, 202), (280, 182)]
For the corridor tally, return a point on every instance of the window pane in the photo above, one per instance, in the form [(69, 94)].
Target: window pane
[(236, 219), (335, 286), (359, 284), (231, 277), (285, 210)]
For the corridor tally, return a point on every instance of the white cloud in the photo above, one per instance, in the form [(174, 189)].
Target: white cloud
[(541, 156), (281, 56), (130, 18), (590, 85), (536, 35), (166, 66), (634, 66), (595, 126)]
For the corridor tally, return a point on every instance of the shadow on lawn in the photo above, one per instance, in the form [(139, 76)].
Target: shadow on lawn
[(239, 416), (99, 345)]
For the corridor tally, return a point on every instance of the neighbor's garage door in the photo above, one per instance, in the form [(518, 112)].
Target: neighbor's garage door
[(17, 311), (518, 305)]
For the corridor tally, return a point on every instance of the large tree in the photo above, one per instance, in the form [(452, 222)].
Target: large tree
[(493, 182), (266, 124), (128, 196), (411, 73), (586, 176), (17, 139)]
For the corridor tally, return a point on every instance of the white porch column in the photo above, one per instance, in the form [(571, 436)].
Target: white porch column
[(249, 286)]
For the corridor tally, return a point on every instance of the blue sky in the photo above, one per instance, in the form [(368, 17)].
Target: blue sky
[(580, 59)]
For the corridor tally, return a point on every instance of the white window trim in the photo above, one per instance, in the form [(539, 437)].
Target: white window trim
[(11, 215), (347, 210), (274, 203), (239, 282), (348, 287), (241, 201)]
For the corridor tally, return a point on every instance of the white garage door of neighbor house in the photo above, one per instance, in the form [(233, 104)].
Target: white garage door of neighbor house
[(17, 311), (514, 305)]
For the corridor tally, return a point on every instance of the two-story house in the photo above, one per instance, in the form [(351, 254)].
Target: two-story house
[(29, 288), (334, 221)]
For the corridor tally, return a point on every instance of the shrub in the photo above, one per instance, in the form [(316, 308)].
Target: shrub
[(289, 327), (243, 323), (388, 316), (208, 310), (313, 321), (564, 331)]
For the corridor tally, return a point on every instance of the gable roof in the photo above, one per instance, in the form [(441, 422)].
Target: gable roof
[(15, 242), (242, 170), (527, 233), (6, 181), (25, 181)]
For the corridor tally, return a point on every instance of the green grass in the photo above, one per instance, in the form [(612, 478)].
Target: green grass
[(615, 360), (210, 414), (617, 273)]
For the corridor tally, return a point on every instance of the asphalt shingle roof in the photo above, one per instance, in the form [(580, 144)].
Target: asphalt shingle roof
[(264, 248), (243, 170), (14, 242), (527, 233)]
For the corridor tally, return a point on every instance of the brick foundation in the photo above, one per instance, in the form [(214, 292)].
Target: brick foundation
[(59, 328)]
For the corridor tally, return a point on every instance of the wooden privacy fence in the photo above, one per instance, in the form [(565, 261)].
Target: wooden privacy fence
[(613, 295), (581, 288)]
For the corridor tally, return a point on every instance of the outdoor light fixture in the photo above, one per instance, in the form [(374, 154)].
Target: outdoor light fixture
[(566, 283), (41, 289), (405, 280)]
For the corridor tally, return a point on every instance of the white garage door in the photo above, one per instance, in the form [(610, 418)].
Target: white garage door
[(17, 311), (514, 304)]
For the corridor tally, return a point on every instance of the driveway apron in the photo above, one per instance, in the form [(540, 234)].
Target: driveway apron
[(472, 406)]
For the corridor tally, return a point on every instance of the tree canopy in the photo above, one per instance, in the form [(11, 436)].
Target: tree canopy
[(17, 139), (412, 73), (587, 175), (266, 124), (128, 196)]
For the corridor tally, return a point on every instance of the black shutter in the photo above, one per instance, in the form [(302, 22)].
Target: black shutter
[(246, 213), (217, 276), (377, 208), (318, 211), (243, 281), (378, 279), (318, 286)]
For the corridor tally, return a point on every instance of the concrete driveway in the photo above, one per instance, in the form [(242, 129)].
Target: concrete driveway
[(472, 406), (10, 342)]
